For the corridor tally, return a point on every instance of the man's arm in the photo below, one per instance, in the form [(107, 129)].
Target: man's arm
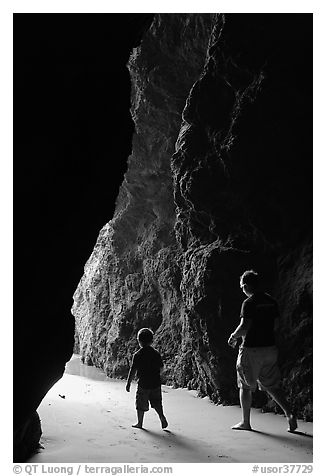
[(240, 331), (245, 323)]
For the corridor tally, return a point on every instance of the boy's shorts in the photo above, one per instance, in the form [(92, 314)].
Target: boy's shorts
[(258, 365), (144, 396)]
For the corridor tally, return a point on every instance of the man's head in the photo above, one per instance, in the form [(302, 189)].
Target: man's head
[(145, 336), (249, 282)]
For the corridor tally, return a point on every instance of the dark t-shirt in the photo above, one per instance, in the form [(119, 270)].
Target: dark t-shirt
[(262, 310), (148, 363)]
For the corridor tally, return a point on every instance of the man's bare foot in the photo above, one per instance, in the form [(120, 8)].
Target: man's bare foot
[(241, 426), (138, 425), (164, 422), (292, 421)]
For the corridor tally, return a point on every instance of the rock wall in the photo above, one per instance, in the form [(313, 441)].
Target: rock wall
[(219, 180), (133, 277)]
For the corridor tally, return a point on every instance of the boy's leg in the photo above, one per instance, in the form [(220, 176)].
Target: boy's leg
[(140, 415), (245, 402), (278, 396), (156, 403), (161, 415), (141, 405)]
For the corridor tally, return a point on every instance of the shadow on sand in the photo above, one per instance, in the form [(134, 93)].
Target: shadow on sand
[(180, 441), (296, 432), (289, 438), (189, 446)]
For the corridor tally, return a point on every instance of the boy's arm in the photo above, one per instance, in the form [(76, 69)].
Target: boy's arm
[(131, 375)]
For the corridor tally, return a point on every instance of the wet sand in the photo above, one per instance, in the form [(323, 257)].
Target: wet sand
[(87, 417)]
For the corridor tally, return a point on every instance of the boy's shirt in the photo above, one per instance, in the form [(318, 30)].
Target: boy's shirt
[(148, 363)]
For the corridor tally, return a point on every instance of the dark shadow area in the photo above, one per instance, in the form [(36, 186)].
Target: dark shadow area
[(294, 442), (72, 138), (181, 442), (302, 433)]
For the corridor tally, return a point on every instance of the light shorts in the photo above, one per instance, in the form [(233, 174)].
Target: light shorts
[(258, 365), (144, 396)]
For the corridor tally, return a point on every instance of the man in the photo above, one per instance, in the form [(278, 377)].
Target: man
[(257, 358)]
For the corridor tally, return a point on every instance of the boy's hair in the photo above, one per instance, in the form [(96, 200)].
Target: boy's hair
[(145, 336), (251, 278)]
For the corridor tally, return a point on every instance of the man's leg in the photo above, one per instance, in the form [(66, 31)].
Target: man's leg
[(269, 380), (245, 402), (246, 377), (278, 396)]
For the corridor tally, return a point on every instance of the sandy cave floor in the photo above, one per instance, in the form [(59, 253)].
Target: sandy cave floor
[(92, 423)]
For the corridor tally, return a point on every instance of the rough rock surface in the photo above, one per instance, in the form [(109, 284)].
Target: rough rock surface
[(233, 92), (133, 277)]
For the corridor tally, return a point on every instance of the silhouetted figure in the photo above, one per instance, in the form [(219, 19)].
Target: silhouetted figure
[(257, 358), (147, 362)]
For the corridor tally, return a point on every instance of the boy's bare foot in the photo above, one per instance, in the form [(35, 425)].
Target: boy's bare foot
[(292, 421), (164, 423), (241, 426), (138, 425)]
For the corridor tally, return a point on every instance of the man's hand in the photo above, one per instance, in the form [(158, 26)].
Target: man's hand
[(128, 387), (232, 341)]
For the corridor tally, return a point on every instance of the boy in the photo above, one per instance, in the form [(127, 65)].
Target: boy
[(148, 363)]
